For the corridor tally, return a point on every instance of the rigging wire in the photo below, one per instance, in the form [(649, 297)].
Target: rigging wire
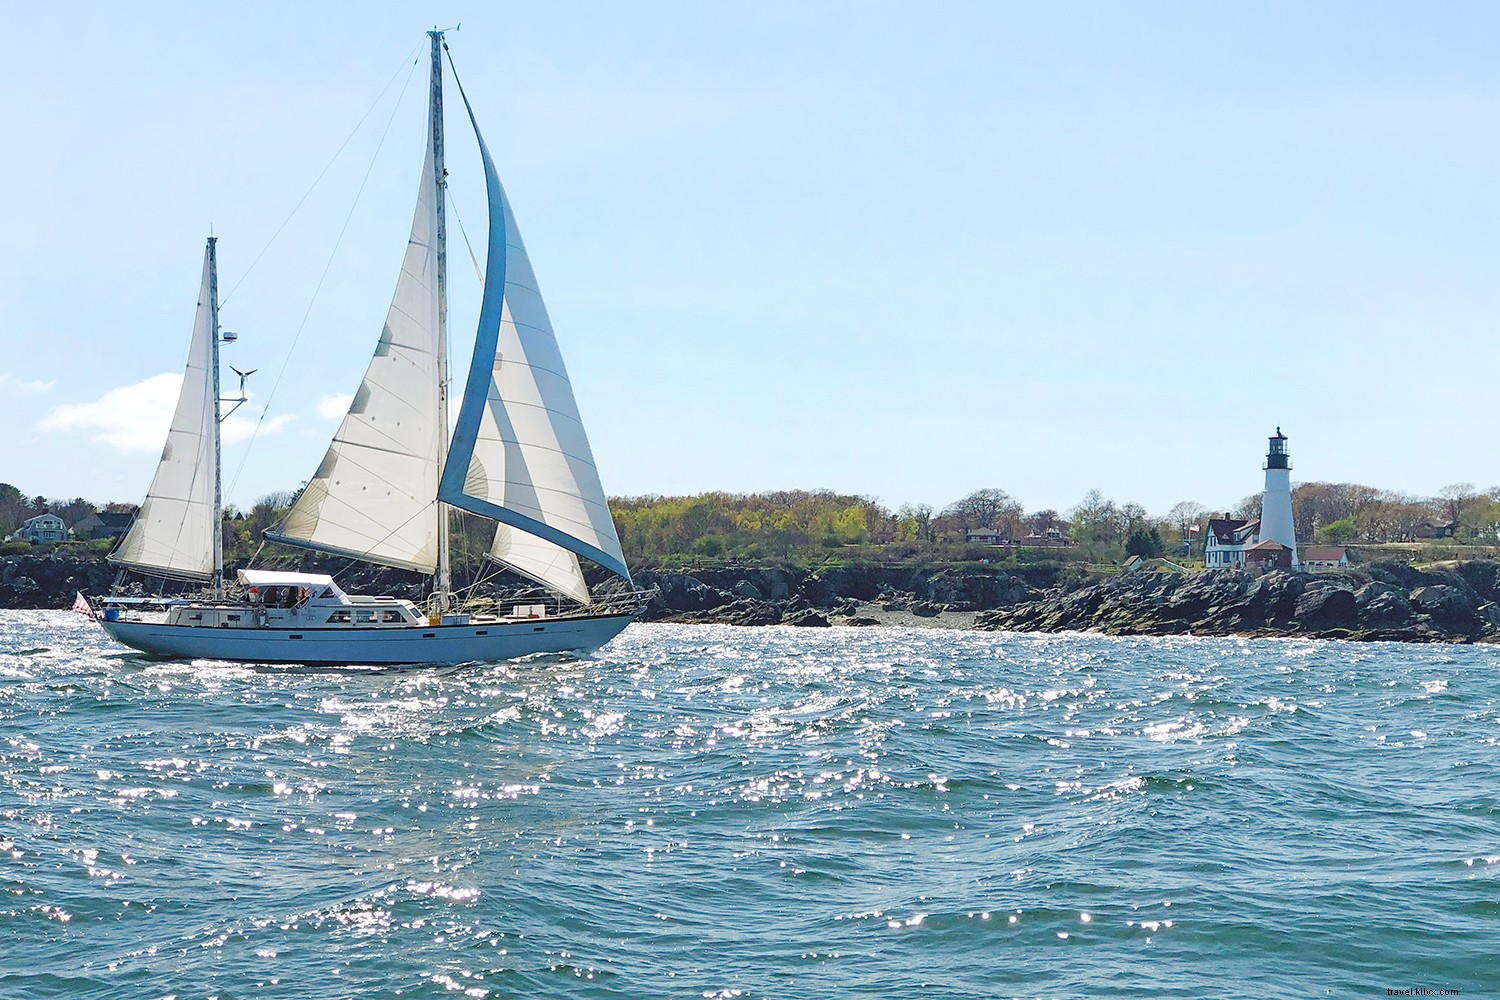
[(316, 181), (260, 420), (478, 271)]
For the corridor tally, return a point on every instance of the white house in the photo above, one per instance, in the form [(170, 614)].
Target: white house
[(42, 528), (1228, 539), (1318, 558)]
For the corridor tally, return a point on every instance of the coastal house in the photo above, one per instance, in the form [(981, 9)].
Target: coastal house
[(983, 536), (1268, 555), (1323, 558), (1052, 536), (40, 529), (1133, 564), (1432, 529), (104, 524), (1228, 539), (84, 526)]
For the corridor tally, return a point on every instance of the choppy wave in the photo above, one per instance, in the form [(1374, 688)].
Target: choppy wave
[(720, 812)]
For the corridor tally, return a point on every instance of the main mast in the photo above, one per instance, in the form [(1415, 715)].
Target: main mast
[(444, 582), (218, 521)]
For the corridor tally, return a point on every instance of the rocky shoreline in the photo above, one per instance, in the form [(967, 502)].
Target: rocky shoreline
[(949, 597), (1458, 602), (1387, 604)]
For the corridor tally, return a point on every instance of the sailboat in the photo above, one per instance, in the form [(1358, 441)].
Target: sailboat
[(383, 493)]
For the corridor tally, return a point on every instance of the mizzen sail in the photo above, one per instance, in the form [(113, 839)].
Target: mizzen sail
[(173, 533), (519, 453)]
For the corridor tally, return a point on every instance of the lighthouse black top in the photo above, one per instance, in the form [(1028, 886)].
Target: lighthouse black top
[(1276, 458)]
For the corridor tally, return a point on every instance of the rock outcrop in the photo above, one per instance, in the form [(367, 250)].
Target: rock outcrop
[(1440, 608), (759, 596)]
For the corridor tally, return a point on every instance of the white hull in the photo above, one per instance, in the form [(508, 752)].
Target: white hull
[(418, 645)]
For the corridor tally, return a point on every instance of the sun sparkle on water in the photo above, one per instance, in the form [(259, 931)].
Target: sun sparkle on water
[(707, 811)]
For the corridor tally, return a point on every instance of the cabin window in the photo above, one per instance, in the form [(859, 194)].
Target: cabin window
[(390, 616), (339, 618), (366, 617)]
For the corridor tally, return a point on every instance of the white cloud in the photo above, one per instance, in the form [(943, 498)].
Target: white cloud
[(135, 418), (130, 418), (335, 406), (9, 381), (238, 428)]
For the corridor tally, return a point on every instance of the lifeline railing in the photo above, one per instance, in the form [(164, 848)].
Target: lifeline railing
[(552, 606)]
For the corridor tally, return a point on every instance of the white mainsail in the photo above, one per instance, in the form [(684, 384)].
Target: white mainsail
[(374, 495), (173, 533), (519, 453)]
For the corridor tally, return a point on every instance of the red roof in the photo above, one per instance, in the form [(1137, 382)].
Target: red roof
[(1268, 546), (1323, 553)]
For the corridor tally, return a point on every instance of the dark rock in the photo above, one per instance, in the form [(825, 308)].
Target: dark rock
[(809, 619), (1323, 605), (750, 612), (1482, 576), (1375, 589), (1390, 608), (1444, 604), (897, 601), (863, 621), (926, 609), (744, 588), (681, 592)]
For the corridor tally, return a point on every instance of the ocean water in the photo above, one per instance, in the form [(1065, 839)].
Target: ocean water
[(713, 812)]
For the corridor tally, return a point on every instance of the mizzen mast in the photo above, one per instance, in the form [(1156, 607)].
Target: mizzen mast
[(213, 336)]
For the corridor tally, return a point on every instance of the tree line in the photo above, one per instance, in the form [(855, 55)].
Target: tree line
[(809, 525)]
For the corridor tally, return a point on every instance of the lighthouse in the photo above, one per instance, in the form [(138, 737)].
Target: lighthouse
[(1276, 505)]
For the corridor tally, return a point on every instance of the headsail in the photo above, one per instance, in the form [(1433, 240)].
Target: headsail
[(519, 453), (373, 496), (173, 533)]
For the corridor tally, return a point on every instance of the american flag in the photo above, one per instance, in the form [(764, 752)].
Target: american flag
[(1195, 529), (82, 606)]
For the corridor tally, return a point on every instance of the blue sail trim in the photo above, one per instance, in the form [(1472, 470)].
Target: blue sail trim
[(477, 386)]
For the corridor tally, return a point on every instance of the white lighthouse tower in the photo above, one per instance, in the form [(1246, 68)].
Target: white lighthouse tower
[(1276, 505)]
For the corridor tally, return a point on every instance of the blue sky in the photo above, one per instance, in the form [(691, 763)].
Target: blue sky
[(897, 249)]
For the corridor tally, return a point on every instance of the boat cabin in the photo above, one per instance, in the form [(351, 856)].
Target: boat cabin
[(297, 600)]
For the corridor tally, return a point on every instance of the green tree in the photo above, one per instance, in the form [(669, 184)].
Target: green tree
[(1144, 541), (1337, 532), (1096, 524), (12, 509)]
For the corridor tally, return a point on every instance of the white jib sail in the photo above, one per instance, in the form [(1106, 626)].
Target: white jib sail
[(374, 495), (553, 566), (535, 558), (531, 454), (172, 534)]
